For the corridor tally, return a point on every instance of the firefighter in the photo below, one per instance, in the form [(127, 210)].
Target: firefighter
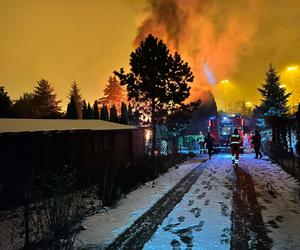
[(209, 142), (256, 140), (235, 140), (201, 142)]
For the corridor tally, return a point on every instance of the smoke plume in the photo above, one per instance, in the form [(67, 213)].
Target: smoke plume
[(209, 34)]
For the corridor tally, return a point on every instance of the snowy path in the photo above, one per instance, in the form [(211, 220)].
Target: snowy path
[(215, 206), (264, 206)]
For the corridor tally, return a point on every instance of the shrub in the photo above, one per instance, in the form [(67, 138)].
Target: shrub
[(56, 211)]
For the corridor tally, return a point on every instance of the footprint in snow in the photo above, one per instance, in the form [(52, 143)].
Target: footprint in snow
[(224, 209), (273, 224), (225, 236), (196, 211), (262, 207), (197, 191), (206, 203), (295, 211), (201, 196), (227, 196), (181, 219), (175, 244), (279, 218), (198, 228), (186, 235), (191, 202), (169, 227), (205, 183), (213, 178), (228, 184)]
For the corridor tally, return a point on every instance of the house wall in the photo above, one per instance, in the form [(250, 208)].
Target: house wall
[(138, 145), (94, 152)]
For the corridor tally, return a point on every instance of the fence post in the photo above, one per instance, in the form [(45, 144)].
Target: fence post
[(291, 147)]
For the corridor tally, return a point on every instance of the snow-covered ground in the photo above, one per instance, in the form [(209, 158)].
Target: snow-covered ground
[(103, 228), (202, 219), (278, 195)]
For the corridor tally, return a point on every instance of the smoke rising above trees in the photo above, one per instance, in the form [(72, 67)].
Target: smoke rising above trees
[(203, 33), (273, 36)]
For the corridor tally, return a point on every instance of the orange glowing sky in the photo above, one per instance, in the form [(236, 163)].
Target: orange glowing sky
[(86, 40)]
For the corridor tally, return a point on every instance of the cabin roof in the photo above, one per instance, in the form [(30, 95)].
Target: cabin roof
[(40, 125)]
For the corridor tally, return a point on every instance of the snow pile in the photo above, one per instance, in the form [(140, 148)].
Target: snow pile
[(103, 228), (202, 218), (278, 196)]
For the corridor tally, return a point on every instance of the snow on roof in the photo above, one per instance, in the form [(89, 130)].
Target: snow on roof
[(35, 125)]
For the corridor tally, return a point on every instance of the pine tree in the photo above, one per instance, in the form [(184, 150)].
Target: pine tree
[(71, 109), (89, 112), (84, 110), (274, 98), (96, 110), (45, 100), (158, 81), (24, 107), (113, 115), (124, 114), (5, 104), (104, 113), (114, 94), (77, 102)]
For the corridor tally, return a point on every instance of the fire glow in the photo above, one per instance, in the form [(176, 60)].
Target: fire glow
[(202, 31)]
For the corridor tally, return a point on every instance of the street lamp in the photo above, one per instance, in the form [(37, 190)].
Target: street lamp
[(292, 69), (223, 82), (248, 104)]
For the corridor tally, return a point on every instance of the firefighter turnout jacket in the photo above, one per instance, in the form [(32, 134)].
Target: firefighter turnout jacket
[(234, 140)]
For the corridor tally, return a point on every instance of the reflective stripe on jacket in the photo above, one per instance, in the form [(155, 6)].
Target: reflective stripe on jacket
[(235, 139)]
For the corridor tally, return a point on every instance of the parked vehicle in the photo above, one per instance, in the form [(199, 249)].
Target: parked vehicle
[(222, 125)]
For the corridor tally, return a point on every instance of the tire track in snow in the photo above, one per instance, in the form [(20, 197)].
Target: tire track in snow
[(248, 230)]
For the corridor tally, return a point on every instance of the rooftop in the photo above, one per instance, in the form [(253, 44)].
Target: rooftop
[(37, 125)]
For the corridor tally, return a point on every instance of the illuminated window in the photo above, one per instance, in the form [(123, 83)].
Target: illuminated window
[(225, 130)]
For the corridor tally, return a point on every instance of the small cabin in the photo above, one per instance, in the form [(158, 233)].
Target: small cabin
[(91, 145)]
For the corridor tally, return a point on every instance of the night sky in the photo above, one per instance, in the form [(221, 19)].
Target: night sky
[(86, 40)]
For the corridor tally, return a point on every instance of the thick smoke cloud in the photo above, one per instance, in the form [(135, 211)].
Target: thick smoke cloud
[(209, 34)]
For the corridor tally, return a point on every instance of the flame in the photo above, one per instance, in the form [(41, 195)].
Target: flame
[(210, 35)]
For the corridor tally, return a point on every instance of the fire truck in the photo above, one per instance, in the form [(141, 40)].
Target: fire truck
[(222, 125)]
